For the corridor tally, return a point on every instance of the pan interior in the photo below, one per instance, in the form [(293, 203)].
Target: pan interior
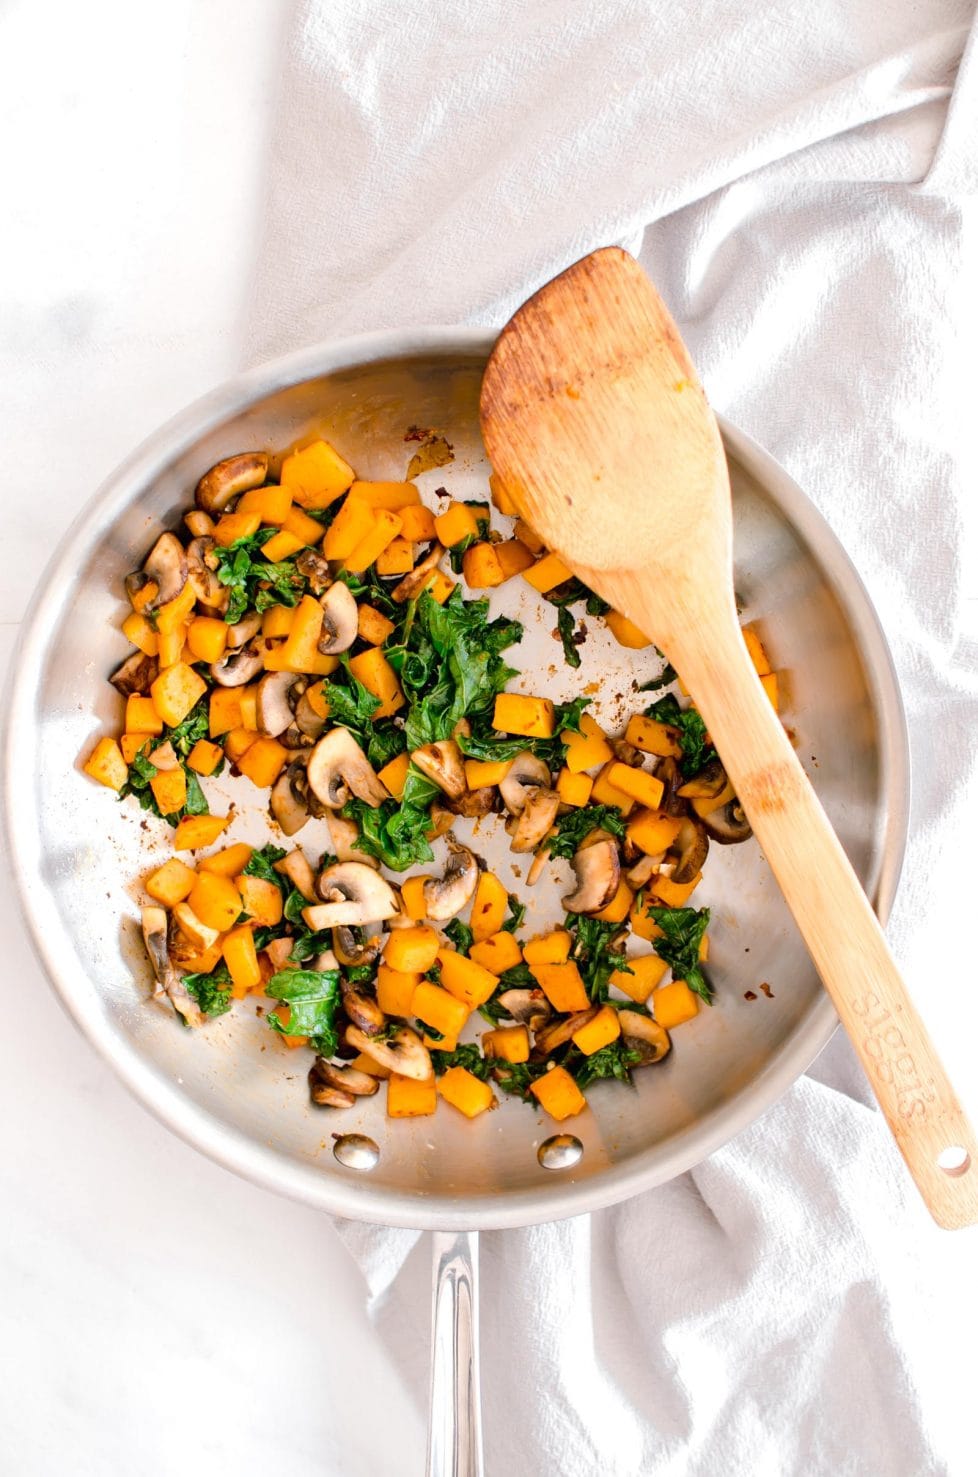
[(231, 1088)]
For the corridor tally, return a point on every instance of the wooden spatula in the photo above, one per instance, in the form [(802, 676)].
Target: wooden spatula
[(595, 420)]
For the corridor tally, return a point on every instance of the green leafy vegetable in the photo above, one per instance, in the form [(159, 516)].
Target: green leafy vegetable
[(468, 1056), (576, 824), (350, 704), (614, 1060), (679, 946), (485, 743), (212, 992), (262, 864), (571, 638), (384, 742), (692, 733), (517, 1077), (395, 833), (313, 997), (516, 912), (254, 582), (460, 934), (592, 952), (665, 679)]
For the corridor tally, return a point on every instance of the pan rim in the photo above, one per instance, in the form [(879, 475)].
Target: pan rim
[(356, 1198)]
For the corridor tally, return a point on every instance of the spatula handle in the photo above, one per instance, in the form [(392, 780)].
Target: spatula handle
[(836, 921)]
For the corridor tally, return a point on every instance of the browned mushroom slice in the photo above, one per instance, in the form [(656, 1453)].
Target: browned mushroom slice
[(288, 801), (230, 477), (404, 1052), (442, 763), (347, 1080), (690, 848), (344, 837), (535, 870), (326, 1093), (527, 772), (278, 951), (363, 1012), (642, 871), (244, 630), (166, 567), (548, 1037), (598, 872), (412, 584), (709, 782), (627, 753), (135, 674), (728, 825), (236, 668), (199, 524), (155, 928), (642, 1034), (316, 570), (667, 772), (340, 619), (355, 950), (272, 703), (338, 767), (164, 756), (536, 819), (353, 894), (441, 820), (297, 868), (525, 1006), (474, 803), (202, 572), (309, 723), (447, 895)]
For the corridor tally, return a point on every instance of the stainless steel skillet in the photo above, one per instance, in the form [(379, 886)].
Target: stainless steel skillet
[(75, 854)]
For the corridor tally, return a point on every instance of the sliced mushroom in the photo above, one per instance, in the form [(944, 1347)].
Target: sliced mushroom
[(363, 1012), (325, 1095), (728, 825), (709, 782), (474, 803), (244, 630), (535, 870), (236, 668), (228, 478), (343, 837), (338, 767), (193, 928), (288, 801), (347, 1080), (202, 572), (324, 960), (354, 951), (627, 753), (441, 821), (316, 570), (442, 763), (135, 674), (352, 893), (526, 772), (536, 819), (447, 895), (667, 771), (166, 566), (155, 924), (691, 846), (297, 868), (547, 1038), (412, 584), (643, 869), (309, 723), (199, 524), (404, 1052), (272, 703), (525, 1006), (164, 756), (340, 619), (598, 872), (642, 1034)]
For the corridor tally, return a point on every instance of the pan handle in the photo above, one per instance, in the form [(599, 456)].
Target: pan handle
[(455, 1429)]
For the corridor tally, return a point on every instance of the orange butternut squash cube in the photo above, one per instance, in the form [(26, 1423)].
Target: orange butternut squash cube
[(769, 682), (229, 862), (558, 1094), (465, 979), (598, 1032), (638, 783), (409, 1098), (364, 1063), (709, 803), (223, 711), (260, 899), (548, 948), (249, 707), (141, 715), (140, 598), (440, 586), (137, 629), (132, 743), (276, 622), (547, 573), (171, 647), (755, 651), (498, 953), (204, 757), (232, 526), (106, 764), (481, 568), (673, 894), (302, 642), (238, 742), (513, 557), (207, 638), (458, 521), (271, 503), (489, 907), (175, 692), (652, 737), (502, 498), (482, 772), (532, 717), (652, 831), (587, 749), (647, 971), (397, 558), (297, 524), (378, 676), (412, 898), (641, 923), (507, 1044), (176, 611), (603, 792), (574, 789), (372, 626), (171, 883), (349, 528), (283, 545), (384, 528), (241, 959), (318, 701), (205, 962), (417, 523), (625, 632), (196, 831), (395, 990), (411, 950), (169, 787), (263, 762), (439, 1009), (392, 496), (215, 900), (562, 985), (466, 1092), (394, 774), (673, 1004), (316, 475), (618, 909)]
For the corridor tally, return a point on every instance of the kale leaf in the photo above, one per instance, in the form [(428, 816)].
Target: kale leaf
[(460, 934), (313, 996), (570, 637), (262, 864), (614, 1060), (575, 825), (350, 704), (592, 954), (394, 832), (696, 751), (254, 582), (212, 992), (468, 1056), (679, 946)]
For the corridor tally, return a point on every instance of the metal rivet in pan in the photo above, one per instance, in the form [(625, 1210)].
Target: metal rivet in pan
[(560, 1152), (355, 1151)]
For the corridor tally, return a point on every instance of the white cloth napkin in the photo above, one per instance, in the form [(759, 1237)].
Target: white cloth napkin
[(791, 178)]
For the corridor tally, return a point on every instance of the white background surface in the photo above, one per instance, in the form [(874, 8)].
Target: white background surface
[(157, 1315)]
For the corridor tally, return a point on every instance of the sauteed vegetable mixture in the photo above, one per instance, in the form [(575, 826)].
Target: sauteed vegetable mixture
[(308, 634)]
